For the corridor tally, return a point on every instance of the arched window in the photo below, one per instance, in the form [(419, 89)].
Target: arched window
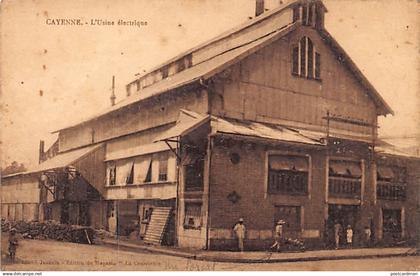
[(306, 61)]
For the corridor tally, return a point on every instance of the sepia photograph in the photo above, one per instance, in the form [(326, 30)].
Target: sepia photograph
[(210, 135)]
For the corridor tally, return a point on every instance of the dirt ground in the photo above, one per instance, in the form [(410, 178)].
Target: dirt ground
[(46, 255)]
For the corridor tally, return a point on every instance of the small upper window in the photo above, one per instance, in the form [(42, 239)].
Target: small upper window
[(165, 72), (306, 13), (306, 62), (112, 174)]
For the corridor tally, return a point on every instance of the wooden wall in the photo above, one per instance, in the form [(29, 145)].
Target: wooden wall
[(20, 189), (262, 88), (92, 169), (144, 115), (241, 35)]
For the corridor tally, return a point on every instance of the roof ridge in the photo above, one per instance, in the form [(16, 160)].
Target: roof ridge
[(231, 31)]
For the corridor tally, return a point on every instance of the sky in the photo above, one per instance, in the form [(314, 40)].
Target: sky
[(53, 76)]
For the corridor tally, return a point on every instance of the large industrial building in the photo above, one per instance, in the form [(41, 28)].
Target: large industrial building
[(271, 120)]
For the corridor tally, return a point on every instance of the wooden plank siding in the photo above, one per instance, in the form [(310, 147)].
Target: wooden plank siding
[(141, 116), (20, 189), (262, 88), (92, 169)]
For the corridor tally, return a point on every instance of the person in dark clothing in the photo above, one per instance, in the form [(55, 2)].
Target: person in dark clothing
[(13, 243)]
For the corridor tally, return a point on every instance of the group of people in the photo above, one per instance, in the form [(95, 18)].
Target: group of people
[(348, 235), (340, 234), (239, 230)]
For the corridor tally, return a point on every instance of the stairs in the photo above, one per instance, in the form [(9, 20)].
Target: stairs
[(158, 225)]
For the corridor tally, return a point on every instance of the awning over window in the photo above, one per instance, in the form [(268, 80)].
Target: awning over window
[(345, 168), (121, 152), (385, 172), (187, 122), (141, 167), (269, 131), (65, 159), (288, 162), (123, 171)]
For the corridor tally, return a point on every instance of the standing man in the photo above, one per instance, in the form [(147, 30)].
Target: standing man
[(368, 236), (239, 230), (337, 233), (349, 236), (278, 235)]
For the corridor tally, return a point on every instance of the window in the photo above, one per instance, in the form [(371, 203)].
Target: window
[(296, 13), (163, 168), (192, 219), (147, 214), (128, 89), (317, 66), (181, 65), (141, 168), (165, 72), (149, 173), (306, 61), (291, 215), (391, 183), (287, 175), (305, 14), (194, 170), (112, 174), (308, 13), (130, 177), (344, 178), (391, 220)]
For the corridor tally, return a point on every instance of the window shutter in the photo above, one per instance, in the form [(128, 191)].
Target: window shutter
[(310, 59), (296, 11), (130, 176), (149, 173), (295, 60), (311, 15), (317, 66), (305, 15), (303, 57)]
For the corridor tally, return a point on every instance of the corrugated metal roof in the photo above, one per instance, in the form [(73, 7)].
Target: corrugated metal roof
[(261, 130), (63, 159), (217, 63), (264, 16), (189, 120), (203, 71), (186, 122), (389, 150)]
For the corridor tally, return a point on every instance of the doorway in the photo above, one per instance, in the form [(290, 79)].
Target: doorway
[(344, 215)]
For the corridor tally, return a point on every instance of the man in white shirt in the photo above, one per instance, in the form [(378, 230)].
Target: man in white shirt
[(239, 230), (278, 235)]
